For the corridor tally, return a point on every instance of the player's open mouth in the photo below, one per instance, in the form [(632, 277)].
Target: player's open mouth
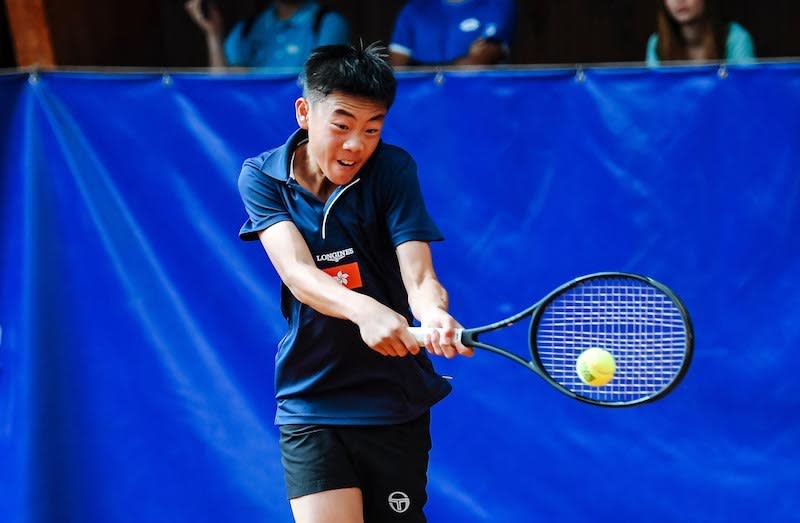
[(346, 163)]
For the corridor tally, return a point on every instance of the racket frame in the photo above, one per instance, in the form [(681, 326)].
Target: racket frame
[(469, 337)]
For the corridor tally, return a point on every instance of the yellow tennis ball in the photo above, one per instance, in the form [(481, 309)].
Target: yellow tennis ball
[(595, 367)]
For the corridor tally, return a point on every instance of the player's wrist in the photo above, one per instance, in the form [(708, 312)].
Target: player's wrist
[(433, 315), (362, 309)]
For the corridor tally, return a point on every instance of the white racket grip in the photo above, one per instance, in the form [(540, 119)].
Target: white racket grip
[(419, 334)]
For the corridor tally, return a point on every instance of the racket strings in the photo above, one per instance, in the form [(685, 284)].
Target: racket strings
[(640, 325)]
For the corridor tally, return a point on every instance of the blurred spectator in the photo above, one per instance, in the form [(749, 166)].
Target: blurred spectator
[(282, 33), (693, 30), (457, 32)]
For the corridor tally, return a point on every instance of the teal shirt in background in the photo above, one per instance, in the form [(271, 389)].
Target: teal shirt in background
[(739, 47)]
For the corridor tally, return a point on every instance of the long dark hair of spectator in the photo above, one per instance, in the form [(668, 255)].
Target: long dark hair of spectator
[(672, 44)]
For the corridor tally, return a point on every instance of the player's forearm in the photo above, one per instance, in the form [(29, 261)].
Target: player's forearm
[(382, 329), (426, 295), (322, 293), (292, 260)]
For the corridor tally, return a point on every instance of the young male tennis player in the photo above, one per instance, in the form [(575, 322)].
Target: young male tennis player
[(342, 219)]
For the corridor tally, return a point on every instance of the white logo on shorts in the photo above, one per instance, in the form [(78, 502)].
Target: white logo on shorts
[(399, 501)]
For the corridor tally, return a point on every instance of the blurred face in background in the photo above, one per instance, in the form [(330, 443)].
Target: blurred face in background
[(685, 11)]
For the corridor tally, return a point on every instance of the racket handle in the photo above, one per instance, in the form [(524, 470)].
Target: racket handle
[(419, 334)]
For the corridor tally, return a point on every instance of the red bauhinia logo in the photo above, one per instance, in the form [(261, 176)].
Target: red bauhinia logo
[(347, 275)]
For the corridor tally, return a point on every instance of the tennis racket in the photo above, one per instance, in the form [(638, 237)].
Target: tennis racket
[(636, 319)]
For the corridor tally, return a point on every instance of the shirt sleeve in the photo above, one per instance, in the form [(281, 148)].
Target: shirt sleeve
[(262, 201), (739, 47), (651, 56), (407, 218), (233, 46), (334, 29)]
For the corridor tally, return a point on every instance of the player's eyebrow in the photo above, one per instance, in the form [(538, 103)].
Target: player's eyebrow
[(344, 112)]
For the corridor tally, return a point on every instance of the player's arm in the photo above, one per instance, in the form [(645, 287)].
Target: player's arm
[(382, 329), (428, 298)]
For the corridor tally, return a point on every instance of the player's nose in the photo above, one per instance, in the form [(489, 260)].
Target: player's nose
[(353, 143)]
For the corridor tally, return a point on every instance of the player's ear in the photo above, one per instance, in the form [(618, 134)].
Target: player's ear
[(301, 110)]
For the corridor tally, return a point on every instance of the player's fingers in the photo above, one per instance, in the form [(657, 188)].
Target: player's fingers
[(447, 344), (454, 347), (409, 342), (379, 349), (401, 350), (388, 350), (440, 345), (411, 346), (459, 349), (432, 343), (398, 349), (463, 350)]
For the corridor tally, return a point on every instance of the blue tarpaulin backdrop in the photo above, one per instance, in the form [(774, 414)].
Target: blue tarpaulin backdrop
[(138, 333)]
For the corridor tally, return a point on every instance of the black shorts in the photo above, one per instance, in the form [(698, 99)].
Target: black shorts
[(389, 463)]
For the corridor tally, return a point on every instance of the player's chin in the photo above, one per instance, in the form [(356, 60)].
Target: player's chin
[(342, 174)]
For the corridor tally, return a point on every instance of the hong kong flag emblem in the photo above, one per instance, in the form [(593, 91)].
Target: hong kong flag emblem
[(348, 275)]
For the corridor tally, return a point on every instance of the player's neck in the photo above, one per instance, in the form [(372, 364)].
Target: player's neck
[(309, 176)]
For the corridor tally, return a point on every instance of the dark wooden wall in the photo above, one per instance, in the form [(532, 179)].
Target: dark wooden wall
[(158, 33), (7, 58)]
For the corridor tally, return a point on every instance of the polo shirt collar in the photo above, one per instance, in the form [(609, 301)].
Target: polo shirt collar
[(277, 164)]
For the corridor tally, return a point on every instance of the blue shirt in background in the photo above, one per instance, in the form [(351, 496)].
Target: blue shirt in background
[(272, 42), (738, 48), (439, 32)]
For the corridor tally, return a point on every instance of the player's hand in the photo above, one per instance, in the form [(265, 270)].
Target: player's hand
[(385, 331), (442, 340)]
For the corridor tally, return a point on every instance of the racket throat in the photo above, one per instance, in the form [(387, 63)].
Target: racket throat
[(510, 355), (466, 337)]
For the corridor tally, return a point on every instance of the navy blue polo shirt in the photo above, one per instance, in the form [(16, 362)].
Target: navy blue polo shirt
[(324, 372)]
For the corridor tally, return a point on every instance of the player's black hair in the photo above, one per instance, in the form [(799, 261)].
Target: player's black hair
[(358, 71)]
